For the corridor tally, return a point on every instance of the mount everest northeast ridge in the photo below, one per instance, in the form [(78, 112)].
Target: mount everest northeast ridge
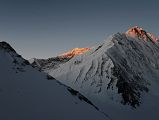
[(27, 94), (120, 75)]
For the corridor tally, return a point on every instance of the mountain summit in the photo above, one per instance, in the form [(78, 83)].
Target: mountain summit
[(141, 33), (120, 74), (74, 52)]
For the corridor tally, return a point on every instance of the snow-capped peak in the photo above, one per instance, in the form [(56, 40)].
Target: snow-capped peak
[(74, 52), (123, 69), (141, 33)]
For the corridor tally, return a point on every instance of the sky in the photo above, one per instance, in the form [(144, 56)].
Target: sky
[(46, 28)]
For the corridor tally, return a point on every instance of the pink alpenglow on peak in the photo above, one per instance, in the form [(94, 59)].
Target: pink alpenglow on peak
[(75, 52), (141, 33)]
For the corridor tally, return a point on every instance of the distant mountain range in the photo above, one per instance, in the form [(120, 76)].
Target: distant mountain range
[(120, 75), (118, 79)]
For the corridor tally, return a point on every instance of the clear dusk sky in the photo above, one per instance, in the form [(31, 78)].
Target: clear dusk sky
[(45, 28)]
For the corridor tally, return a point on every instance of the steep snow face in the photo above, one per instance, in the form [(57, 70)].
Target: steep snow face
[(123, 70), (26, 94)]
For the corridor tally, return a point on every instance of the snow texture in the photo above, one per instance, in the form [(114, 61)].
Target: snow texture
[(120, 75), (27, 94)]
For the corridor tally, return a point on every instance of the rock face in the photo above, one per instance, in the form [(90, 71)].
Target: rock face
[(135, 62), (47, 64), (123, 70)]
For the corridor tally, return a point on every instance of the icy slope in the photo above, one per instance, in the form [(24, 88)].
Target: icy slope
[(26, 94), (123, 70)]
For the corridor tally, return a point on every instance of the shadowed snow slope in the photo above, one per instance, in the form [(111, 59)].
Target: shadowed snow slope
[(26, 94), (121, 75)]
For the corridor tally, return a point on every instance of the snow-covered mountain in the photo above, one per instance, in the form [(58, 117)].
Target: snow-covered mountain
[(27, 94), (120, 75), (54, 62), (74, 52)]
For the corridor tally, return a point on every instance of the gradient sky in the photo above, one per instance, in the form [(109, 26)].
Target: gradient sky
[(43, 29)]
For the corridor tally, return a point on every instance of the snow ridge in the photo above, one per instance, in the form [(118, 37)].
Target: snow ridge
[(27, 94)]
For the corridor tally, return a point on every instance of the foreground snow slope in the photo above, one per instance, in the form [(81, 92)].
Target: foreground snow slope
[(121, 75), (26, 94)]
